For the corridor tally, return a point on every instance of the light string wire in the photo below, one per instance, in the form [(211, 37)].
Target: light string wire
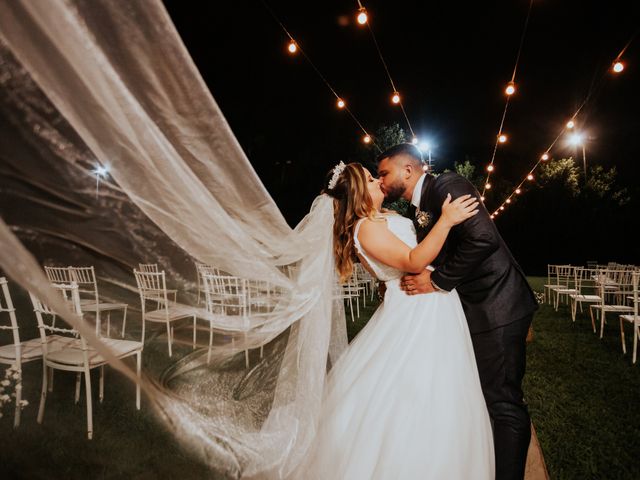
[(592, 94), (506, 104), (386, 69), (319, 73)]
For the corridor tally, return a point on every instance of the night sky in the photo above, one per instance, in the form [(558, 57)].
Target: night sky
[(450, 61)]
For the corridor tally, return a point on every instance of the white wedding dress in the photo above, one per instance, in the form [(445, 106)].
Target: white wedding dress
[(404, 401)]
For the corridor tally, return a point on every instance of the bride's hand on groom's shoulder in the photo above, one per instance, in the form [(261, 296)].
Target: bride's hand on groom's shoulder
[(415, 284), (457, 211)]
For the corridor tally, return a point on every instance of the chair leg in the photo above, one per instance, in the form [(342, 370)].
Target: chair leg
[(602, 324), (108, 323), (87, 384), (246, 352), (624, 343), (593, 321), (210, 342), (43, 394), (169, 337), (124, 321), (636, 334), (16, 417), (351, 309), (138, 372), (101, 395), (78, 381), (574, 308), (194, 332)]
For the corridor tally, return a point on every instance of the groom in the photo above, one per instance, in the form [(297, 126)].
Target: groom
[(494, 292)]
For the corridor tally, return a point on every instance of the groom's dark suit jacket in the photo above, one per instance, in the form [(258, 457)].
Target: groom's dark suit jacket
[(475, 260)]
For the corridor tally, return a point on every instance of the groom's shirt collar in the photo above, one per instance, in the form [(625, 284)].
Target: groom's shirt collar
[(417, 191)]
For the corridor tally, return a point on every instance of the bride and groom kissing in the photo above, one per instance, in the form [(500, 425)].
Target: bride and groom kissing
[(432, 386)]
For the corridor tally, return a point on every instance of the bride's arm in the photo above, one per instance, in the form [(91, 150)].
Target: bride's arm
[(381, 244)]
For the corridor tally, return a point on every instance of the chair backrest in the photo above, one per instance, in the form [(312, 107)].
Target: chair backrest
[(148, 267), (564, 274), (151, 286), (85, 277), (8, 320), (226, 295), (60, 275), (585, 280), (69, 293)]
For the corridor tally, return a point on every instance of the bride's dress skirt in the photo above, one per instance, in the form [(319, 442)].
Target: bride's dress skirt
[(404, 401)]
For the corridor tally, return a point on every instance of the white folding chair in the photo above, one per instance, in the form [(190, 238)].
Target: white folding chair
[(228, 296), (586, 291), (633, 318), (152, 287), (74, 354), (204, 269), (607, 282), (85, 277)]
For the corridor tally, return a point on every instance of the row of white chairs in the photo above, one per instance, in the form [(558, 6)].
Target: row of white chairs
[(611, 289)]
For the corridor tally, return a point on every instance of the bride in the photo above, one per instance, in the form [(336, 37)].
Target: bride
[(404, 401)]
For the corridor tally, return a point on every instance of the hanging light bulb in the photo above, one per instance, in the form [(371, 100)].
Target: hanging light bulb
[(570, 124), (362, 16), (511, 88), (366, 139), (293, 48), (414, 141), (482, 199), (395, 98), (341, 103), (529, 177), (490, 168), (502, 207), (545, 157), (502, 138), (518, 191), (618, 66), (508, 200), (488, 186)]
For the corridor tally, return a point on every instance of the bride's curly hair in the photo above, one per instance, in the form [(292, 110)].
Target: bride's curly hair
[(351, 202)]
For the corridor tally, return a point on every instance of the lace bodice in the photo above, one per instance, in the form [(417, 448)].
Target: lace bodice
[(402, 228)]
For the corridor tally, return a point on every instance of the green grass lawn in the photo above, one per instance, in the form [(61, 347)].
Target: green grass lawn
[(582, 392)]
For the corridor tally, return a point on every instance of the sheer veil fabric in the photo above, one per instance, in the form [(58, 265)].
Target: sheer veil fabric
[(87, 80)]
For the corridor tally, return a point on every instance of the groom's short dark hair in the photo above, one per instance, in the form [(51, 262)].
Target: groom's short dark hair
[(401, 149)]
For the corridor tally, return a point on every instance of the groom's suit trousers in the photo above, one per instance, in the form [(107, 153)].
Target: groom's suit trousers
[(501, 358)]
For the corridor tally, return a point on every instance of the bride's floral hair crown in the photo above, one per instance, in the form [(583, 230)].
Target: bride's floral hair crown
[(337, 171)]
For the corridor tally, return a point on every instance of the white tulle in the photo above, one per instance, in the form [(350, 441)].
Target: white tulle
[(405, 400)]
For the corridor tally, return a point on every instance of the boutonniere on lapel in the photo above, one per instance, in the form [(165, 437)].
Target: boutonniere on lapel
[(423, 219)]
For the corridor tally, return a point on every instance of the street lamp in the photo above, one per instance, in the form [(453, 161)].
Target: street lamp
[(577, 140)]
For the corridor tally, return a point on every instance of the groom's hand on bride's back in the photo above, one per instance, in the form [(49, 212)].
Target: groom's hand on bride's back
[(415, 284)]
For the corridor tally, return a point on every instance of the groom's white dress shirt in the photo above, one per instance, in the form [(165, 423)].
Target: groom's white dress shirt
[(415, 201)]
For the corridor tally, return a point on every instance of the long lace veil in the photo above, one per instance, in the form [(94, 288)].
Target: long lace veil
[(87, 81)]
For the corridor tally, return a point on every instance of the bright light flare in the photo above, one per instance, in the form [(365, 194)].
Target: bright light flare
[(618, 66), (488, 186), (362, 16), (576, 139), (530, 177), (502, 138), (395, 98), (101, 171), (490, 168), (508, 200), (545, 157), (425, 146), (414, 140), (293, 48), (570, 124), (366, 139), (511, 88), (341, 103)]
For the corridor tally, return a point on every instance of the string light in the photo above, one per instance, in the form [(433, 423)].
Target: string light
[(544, 157), (511, 88), (502, 138), (518, 191), (508, 200), (618, 66), (488, 186), (530, 177), (414, 141), (366, 139), (570, 124), (395, 98), (482, 199), (490, 168), (502, 207), (293, 48), (362, 16), (341, 103)]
